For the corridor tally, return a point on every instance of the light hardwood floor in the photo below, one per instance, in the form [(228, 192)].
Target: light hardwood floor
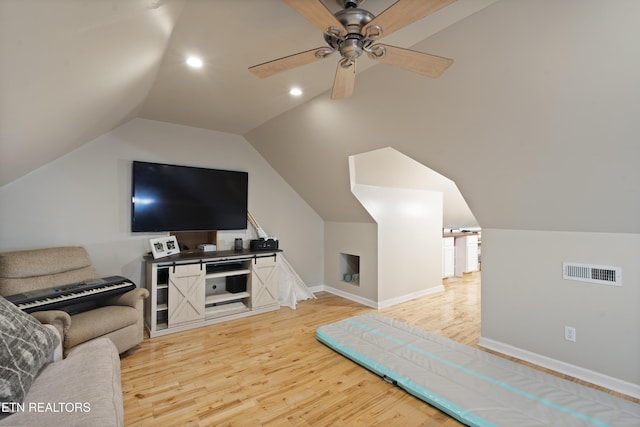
[(270, 369)]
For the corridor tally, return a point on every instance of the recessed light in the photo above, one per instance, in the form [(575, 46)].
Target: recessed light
[(296, 91), (194, 61)]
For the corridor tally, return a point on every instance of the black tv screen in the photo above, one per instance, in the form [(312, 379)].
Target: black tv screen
[(184, 198)]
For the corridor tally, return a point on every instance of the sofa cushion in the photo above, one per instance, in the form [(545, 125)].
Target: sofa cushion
[(26, 346), (98, 322), (82, 390)]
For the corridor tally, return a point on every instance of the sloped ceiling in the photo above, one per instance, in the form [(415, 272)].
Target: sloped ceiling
[(232, 35), (536, 121), (389, 168), (72, 70)]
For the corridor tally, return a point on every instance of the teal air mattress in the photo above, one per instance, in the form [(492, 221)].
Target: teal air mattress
[(473, 386)]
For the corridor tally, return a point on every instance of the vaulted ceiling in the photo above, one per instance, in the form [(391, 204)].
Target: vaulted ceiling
[(72, 70), (536, 121)]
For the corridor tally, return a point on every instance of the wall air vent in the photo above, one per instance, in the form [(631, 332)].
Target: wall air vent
[(599, 274)]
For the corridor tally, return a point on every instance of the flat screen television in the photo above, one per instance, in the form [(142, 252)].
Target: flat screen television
[(185, 198)]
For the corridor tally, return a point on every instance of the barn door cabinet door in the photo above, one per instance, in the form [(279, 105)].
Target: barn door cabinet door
[(186, 294), (264, 282)]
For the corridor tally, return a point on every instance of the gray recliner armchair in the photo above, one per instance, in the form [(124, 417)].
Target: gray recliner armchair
[(119, 318)]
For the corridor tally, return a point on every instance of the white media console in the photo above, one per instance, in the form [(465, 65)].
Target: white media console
[(195, 289)]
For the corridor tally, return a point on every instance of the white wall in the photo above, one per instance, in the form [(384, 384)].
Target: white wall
[(405, 198), (84, 198), (409, 240), (526, 303)]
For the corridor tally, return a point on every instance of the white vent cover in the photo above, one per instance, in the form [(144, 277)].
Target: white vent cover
[(600, 274)]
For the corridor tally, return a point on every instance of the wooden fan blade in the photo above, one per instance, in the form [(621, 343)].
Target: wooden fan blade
[(344, 82), (276, 66), (404, 12), (316, 12), (418, 62)]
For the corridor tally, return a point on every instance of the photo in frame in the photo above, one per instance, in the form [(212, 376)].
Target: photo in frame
[(164, 246)]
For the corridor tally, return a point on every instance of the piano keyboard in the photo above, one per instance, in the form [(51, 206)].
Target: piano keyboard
[(61, 296)]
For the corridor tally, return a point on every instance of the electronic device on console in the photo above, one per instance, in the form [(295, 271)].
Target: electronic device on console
[(263, 244)]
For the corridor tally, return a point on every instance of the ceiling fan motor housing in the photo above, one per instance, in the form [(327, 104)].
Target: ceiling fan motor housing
[(351, 45)]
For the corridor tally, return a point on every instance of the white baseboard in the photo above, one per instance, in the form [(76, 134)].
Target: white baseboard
[(590, 376), (409, 297), (374, 304), (350, 297)]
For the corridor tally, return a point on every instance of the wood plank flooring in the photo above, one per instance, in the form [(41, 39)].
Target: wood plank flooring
[(270, 370)]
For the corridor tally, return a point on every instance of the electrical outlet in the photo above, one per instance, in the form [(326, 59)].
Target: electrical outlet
[(570, 333)]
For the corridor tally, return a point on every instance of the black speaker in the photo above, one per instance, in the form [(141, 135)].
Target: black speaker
[(238, 244), (236, 284), (263, 244)]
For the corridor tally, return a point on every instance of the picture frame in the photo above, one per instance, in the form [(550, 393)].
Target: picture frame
[(164, 246)]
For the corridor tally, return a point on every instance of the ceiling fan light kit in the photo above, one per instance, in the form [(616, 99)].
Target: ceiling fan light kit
[(353, 31)]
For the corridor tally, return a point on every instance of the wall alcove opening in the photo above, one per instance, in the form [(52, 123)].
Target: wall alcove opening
[(350, 269)]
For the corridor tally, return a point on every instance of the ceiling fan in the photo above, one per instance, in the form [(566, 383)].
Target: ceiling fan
[(353, 31)]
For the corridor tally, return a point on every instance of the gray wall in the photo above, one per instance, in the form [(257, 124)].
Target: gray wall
[(526, 303), (83, 198)]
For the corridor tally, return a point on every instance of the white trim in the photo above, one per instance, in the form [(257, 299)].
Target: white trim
[(409, 297), (374, 304), (590, 376), (351, 297)]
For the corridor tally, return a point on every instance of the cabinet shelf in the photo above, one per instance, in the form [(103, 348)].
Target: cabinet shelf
[(162, 307), (227, 296), (224, 310), (227, 273)]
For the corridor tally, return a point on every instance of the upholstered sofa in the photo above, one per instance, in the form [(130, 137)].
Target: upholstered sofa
[(40, 388), (119, 318)]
